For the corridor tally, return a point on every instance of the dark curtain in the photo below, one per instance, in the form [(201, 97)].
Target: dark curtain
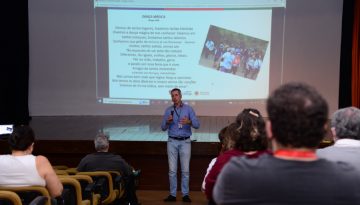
[(355, 85), (345, 57), (14, 69)]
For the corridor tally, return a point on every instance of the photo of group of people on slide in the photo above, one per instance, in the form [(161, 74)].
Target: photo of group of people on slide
[(231, 52)]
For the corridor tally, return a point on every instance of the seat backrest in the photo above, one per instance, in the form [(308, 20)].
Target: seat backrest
[(118, 182), (103, 179), (73, 187), (9, 198), (88, 188), (71, 170), (60, 167), (29, 193), (61, 172)]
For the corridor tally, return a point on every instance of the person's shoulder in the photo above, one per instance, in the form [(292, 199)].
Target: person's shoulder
[(186, 106), (90, 156), (114, 155), (243, 169), (328, 151), (41, 160), (231, 153), (104, 155), (325, 149), (246, 163), (341, 166), (41, 157), (345, 172)]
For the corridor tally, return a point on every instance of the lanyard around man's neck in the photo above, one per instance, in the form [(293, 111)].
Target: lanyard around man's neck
[(177, 114)]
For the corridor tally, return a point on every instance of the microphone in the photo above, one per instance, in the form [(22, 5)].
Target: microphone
[(172, 115)]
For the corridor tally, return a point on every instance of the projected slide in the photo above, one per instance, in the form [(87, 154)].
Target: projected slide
[(207, 52), (234, 53)]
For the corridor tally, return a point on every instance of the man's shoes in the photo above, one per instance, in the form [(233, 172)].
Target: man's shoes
[(170, 198), (186, 198)]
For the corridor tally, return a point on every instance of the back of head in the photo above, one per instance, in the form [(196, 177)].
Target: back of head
[(221, 136), (298, 114), (101, 142), (21, 137), (346, 122), (251, 134), (229, 132)]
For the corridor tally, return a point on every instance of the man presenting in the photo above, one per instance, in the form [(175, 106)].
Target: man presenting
[(178, 120)]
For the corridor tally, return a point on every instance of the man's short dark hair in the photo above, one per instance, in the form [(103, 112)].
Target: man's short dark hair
[(298, 114), (176, 89)]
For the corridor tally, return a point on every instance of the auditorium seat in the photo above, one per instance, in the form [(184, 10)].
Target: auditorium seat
[(9, 198), (61, 172), (88, 188), (71, 170), (118, 183), (12, 198), (29, 193), (103, 180), (60, 167), (74, 191)]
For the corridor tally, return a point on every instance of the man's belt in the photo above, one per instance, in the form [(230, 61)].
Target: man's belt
[(179, 138)]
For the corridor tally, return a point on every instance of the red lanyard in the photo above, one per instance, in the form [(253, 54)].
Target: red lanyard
[(305, 154)]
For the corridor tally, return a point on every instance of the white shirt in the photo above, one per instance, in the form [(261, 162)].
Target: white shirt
[(344, 150), (18, 171), (347, 143)]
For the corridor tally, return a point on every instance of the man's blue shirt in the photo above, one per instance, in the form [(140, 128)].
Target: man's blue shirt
[(179, 113)]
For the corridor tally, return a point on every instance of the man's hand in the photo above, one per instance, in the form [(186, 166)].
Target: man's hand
[(185, 121), (169, 120)]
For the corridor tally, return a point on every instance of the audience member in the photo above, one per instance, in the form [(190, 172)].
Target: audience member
[(221, 149), (294, 174), (22, 168), (102, 160), (345, 127), (246, 138)]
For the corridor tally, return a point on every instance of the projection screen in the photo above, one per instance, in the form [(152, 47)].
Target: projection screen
[(121, 57)]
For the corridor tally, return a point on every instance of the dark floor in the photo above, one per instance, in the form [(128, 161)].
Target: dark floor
[(151, 197)]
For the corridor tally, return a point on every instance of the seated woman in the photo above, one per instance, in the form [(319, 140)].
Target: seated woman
[(21, 168), (222, 149), (245, 137)]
